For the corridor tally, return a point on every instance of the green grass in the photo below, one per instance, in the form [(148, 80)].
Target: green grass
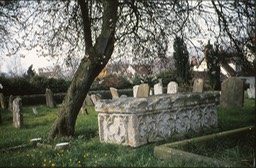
[(87, 150)]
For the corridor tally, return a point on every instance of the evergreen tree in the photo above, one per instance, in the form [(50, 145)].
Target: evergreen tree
[(181, 57), (213, 65), (30, 71)]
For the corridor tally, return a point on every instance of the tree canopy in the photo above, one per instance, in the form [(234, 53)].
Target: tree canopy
[(144, 28)]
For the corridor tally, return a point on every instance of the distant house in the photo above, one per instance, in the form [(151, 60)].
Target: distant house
[(230, 65)]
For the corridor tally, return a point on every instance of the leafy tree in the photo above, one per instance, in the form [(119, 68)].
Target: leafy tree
[(89, 30), (181, 57)]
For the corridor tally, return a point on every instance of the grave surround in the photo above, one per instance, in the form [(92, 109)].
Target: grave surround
[(138, 121)]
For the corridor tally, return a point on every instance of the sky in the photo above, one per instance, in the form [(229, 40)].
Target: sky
[(21, 64)]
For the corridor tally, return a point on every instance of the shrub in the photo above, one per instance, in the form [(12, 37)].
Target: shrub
[(111, 80)]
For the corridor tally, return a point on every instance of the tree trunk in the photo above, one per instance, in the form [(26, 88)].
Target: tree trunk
[(96, 58)]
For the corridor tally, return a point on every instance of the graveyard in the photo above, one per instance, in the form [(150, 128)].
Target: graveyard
[(138, 131)]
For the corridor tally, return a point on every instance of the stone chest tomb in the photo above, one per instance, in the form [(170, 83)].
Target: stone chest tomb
[(138, 121)]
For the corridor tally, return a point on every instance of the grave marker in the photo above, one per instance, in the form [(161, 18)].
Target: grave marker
[(135, 90), (172, 87), (198, 85), (143, 90), (17, 112), (232, 92), (158, 89), (49, 98), (114, 93), (2, 103)]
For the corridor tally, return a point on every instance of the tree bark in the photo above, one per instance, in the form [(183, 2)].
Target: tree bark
[(91, 65)]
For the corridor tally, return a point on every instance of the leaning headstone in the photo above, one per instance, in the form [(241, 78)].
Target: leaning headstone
[(95, 98), (198, 85), (88, 100), (49, 98), (143, 90), (158, 89), (83, 109), (17, 112), (135, 90), (251, 91), (232, 92), (114, 93), (172, 87), (2, 103), (11, 98), (35, 112)]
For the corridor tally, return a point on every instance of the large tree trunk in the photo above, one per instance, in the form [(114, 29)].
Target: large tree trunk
[(96, 58)]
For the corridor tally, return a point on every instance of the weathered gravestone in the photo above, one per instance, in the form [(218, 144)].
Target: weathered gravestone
[(17, 112), (11, 98), (158, 89), (88, 100), (143, 90), (114, 93), (95, 98), (232, 92), (172, 87), (83, 109), (251, 91), (2, 103), (198, 85), (135, 90), (35, 112), (49, 98)]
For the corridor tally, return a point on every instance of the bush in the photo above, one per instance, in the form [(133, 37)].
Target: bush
[(167, 76), (30, 86)]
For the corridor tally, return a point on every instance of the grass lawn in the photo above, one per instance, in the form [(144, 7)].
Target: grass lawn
[(86, 149)]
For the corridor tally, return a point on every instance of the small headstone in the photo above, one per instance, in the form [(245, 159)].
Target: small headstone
[(95, 98), (232, 92), (17, 112), (49, 98), (11, 98), (35, 112), (88, 100), (135, 90), (143, 90), (251, 91), (2, 103), (123, 96), (158, 89), (83, 109), (198, 85), (172, 87), (114, 93)]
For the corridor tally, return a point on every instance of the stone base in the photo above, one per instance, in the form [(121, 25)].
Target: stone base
[(138, 121)]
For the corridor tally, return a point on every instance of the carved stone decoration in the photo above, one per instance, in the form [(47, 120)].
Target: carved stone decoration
[(138, 121)]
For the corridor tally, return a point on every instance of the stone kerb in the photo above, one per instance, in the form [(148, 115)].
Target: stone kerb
[(137, 121)]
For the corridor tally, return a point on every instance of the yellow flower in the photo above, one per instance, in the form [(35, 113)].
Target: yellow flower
[(53, 165)]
